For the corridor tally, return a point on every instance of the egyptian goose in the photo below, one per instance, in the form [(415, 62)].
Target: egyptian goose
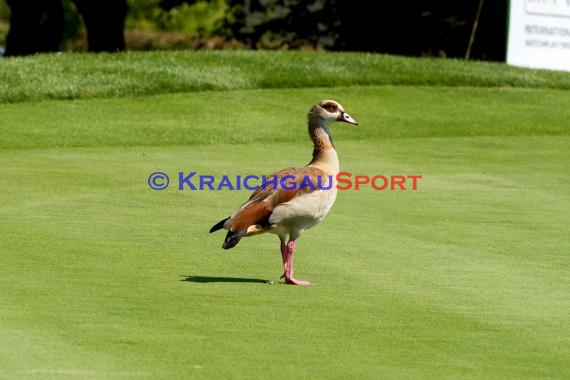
[(296, 198)]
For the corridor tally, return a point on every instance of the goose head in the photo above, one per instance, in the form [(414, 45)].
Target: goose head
[(328, 111)]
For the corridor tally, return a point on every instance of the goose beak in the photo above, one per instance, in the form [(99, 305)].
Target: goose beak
[(347, 118)]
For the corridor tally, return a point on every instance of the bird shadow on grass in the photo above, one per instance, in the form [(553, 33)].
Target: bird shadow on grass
[(212, 279)]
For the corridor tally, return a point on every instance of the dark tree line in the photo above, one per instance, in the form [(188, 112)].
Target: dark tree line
[(37, 26), (411, 28)]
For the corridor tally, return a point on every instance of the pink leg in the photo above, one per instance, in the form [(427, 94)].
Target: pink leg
[(288, 265), (284, 256)]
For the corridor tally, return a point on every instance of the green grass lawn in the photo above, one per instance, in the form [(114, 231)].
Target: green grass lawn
[(73, 76), (467, 277)]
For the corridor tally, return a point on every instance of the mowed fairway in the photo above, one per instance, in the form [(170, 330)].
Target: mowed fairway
[(467, 277)]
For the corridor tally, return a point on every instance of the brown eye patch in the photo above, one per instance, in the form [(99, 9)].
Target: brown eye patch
[(330, 107)]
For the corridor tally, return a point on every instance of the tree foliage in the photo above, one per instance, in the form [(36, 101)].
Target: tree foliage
[(413, 28)]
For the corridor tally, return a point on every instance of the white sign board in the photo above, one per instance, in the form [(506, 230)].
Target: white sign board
[(539, 34)]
